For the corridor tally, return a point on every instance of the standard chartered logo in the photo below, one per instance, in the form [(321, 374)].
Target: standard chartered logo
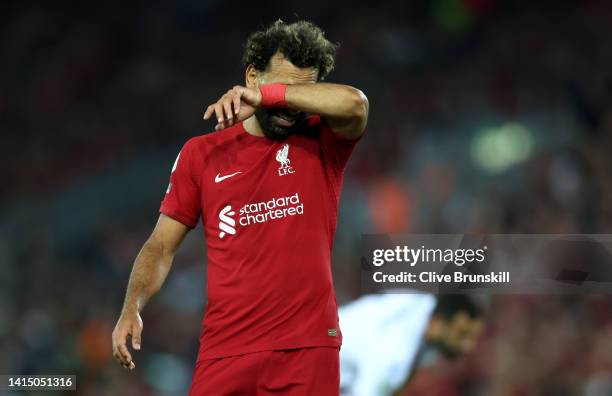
[(259, 212), (273, 209), (226, 223)]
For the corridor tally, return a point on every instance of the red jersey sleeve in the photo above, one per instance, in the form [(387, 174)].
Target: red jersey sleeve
[(182, 200), (336, 149)]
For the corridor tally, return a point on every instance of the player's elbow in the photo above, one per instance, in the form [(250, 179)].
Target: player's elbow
[(155, 249), (359, 104)]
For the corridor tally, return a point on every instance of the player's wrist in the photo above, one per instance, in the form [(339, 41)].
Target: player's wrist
[(129, 311), (273, 95)]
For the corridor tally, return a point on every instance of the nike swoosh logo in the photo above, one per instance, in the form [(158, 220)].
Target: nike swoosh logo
[(220, 178)]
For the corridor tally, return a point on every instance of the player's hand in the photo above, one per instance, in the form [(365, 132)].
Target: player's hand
[(128, 324), (238, 104)]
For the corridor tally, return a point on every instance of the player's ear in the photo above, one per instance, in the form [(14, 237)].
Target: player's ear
[(251, 77)]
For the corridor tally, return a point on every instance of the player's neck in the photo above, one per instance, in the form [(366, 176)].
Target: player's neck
[(251, 125)]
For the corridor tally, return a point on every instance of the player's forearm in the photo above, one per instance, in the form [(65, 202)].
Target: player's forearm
[(328, 100), (148, 274)]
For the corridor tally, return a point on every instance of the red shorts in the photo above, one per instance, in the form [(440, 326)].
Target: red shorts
[(293, 372)]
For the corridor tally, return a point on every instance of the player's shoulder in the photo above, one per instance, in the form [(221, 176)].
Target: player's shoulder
[(211, 139)]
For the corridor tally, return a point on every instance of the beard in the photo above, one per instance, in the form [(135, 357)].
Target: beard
[(278, 124), (445, 349)]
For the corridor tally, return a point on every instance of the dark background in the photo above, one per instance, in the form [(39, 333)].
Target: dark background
[(485, 117)]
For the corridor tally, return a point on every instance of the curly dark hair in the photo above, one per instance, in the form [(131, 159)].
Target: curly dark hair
[(302, 43)]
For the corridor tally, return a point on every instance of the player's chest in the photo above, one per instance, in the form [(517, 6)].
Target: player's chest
[(260, 173)]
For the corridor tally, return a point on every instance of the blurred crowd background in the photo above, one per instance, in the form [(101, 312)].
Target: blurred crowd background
[(487, 116)]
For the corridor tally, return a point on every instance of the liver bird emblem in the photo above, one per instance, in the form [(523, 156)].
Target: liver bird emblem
[(282, 156)]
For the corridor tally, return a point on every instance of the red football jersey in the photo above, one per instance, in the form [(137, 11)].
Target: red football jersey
[(269, 210)]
